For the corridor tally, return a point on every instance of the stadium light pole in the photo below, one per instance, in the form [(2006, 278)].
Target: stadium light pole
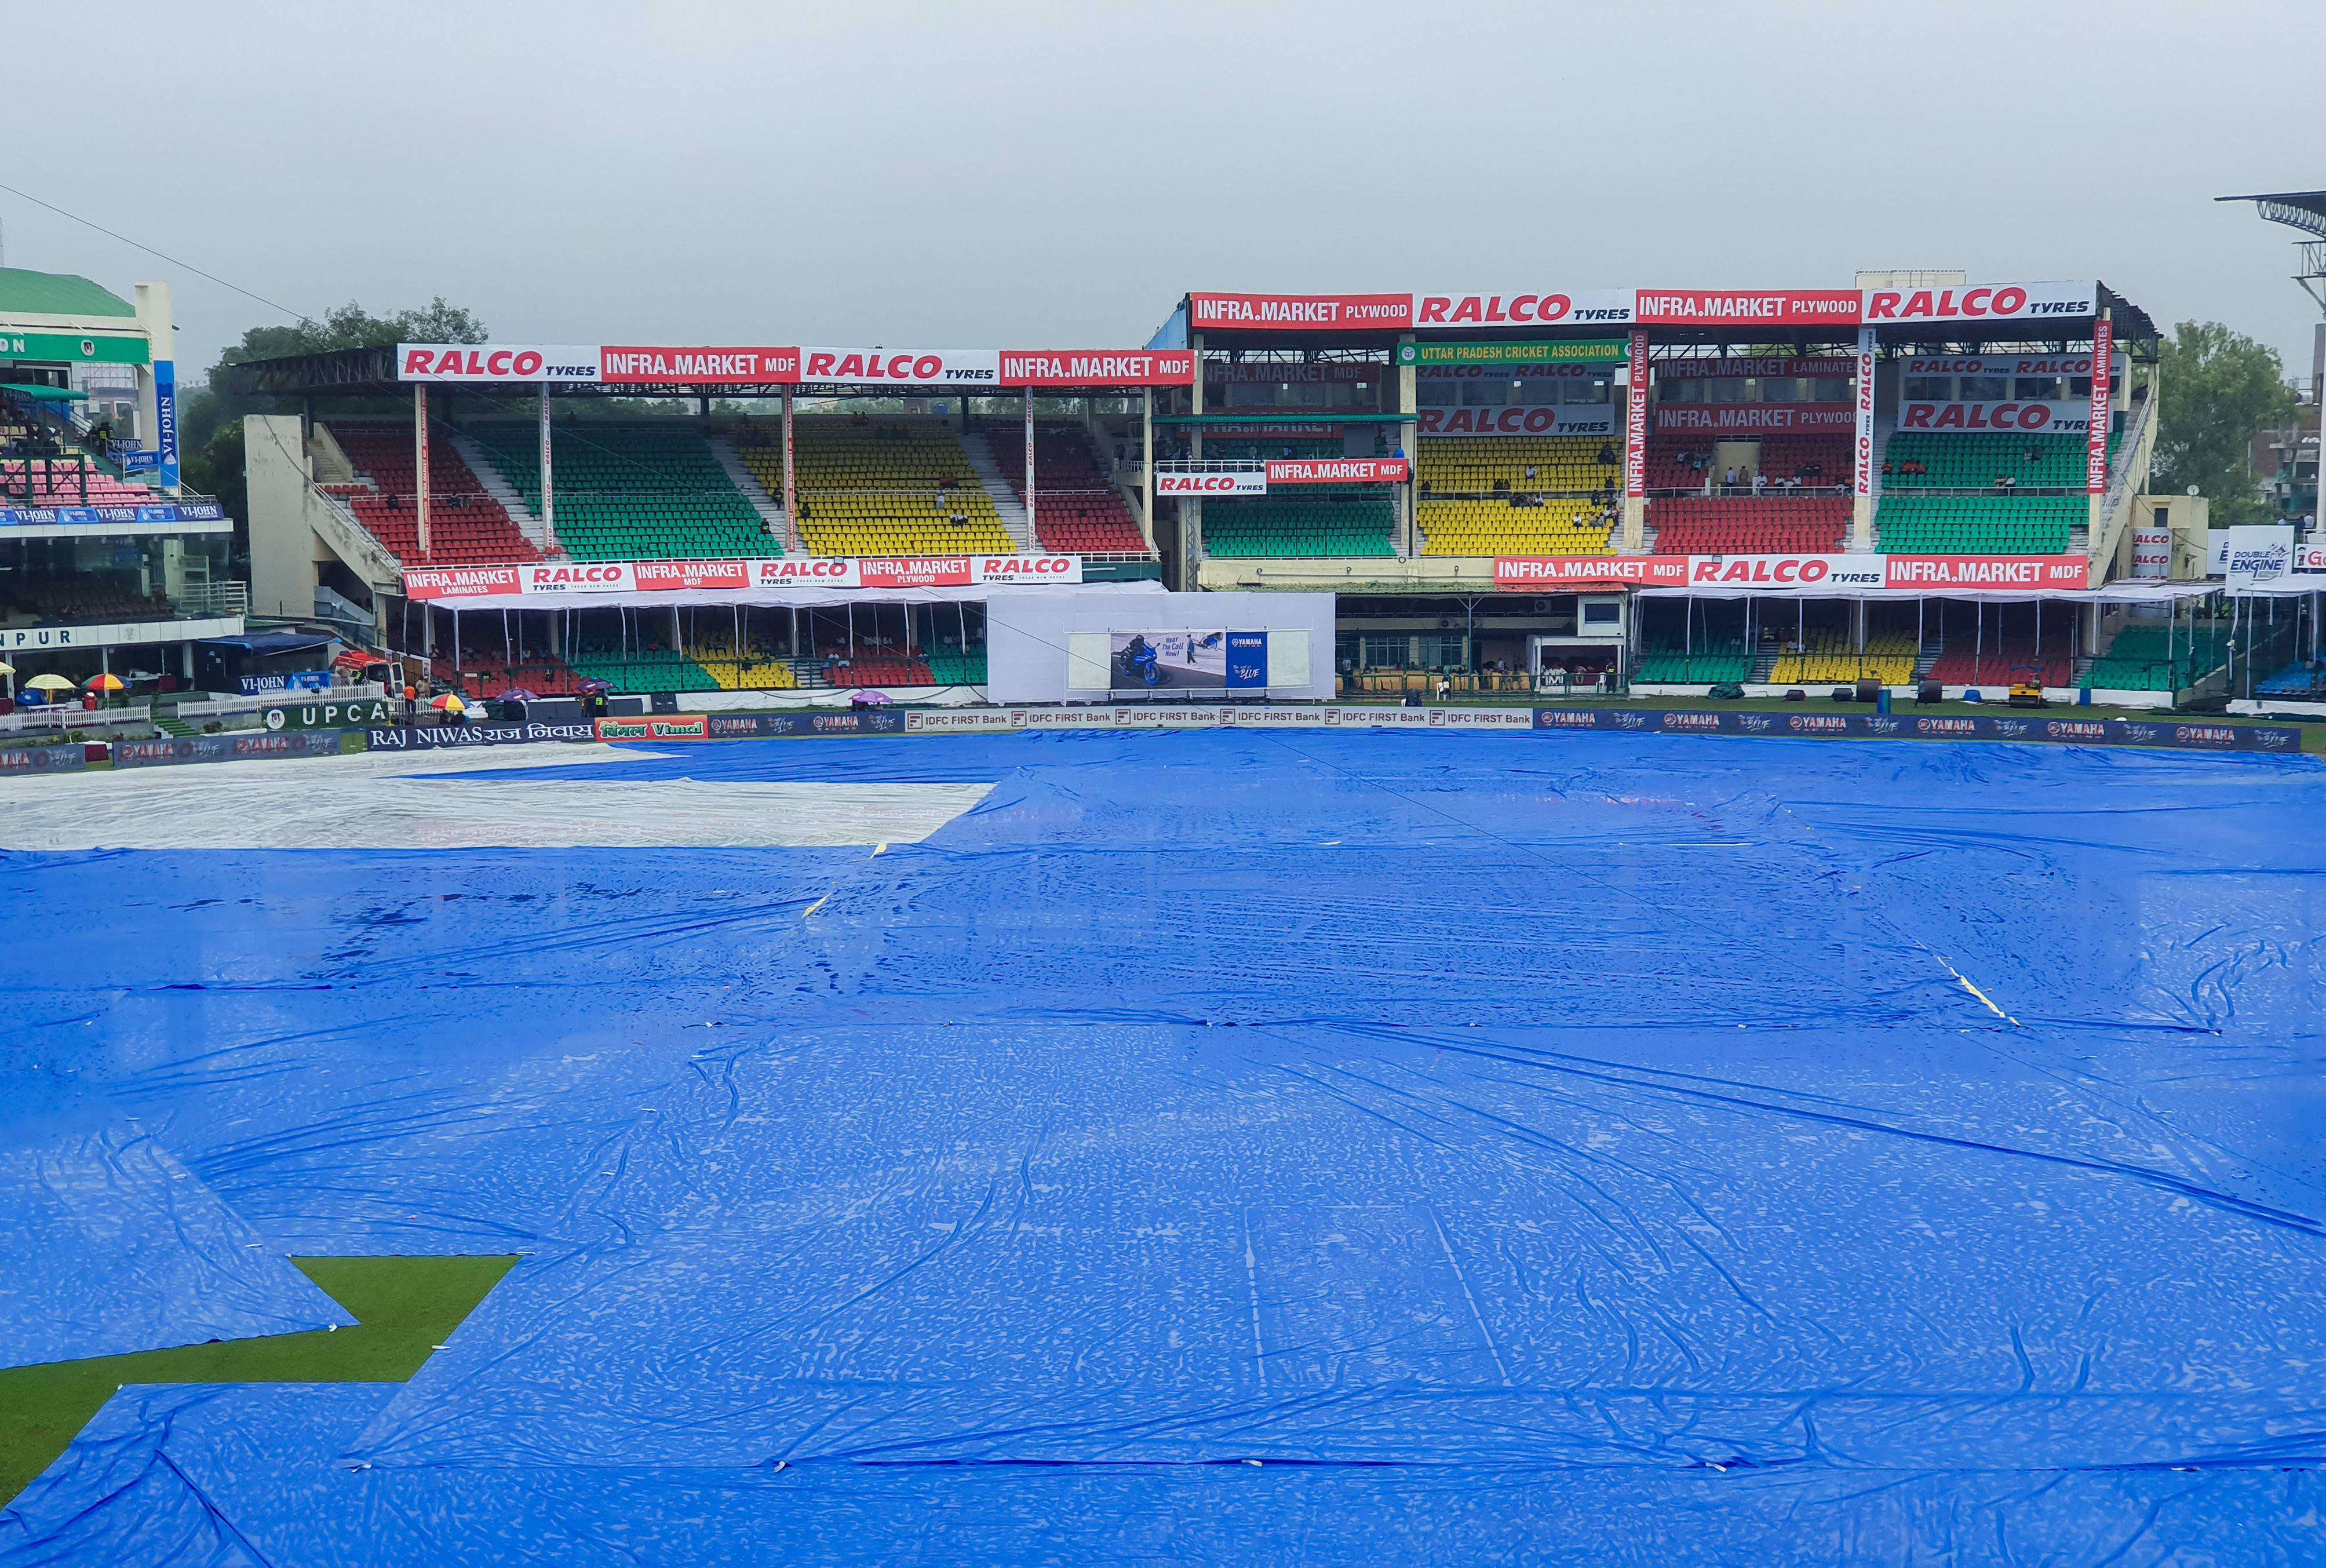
[(548, 506)]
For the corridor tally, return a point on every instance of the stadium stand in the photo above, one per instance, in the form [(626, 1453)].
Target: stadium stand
[(1508, 527), (955, 668), (1830, 657), (1912, 525), (1671, 666), (1331, 523), (2303, 679), (1991, 656), (753, 669), (881, 673), (1682, 460), (466, 526), (87, 596), (1953, 460), (645, 670), (66, 482), (1545, 465), (881, 486), (631, 493), (2157, 659), (1726, 525), (1076, 511)]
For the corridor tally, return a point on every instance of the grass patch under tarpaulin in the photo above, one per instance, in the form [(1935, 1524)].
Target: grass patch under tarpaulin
[(403, 1308)]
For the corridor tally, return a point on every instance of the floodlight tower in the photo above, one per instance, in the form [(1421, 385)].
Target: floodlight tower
[(2306, 210)]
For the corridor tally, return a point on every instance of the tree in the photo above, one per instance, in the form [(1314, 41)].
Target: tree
[(348, 327), (2218, 390)]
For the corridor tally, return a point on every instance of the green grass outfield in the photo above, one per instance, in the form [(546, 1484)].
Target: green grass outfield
[(403, 1307)]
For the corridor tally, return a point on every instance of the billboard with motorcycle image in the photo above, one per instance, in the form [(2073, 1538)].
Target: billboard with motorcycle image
[(1168, 661)]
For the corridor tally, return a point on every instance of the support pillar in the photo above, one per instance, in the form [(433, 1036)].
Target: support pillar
[(420, 457), (1191, 508), (548, 488), (1861, 504), (791, 496), (1408, 493), (2096, 432), (1635, 448), (1030, 534), (1147, 464)]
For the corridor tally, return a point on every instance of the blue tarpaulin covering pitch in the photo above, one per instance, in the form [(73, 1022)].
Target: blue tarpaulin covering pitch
[(1524, 1148)]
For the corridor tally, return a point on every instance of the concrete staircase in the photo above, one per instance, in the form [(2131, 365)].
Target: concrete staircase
[(327, 462), (1928, 656), (770, 507), (527, 520), (1761, 664), (1006, 504)]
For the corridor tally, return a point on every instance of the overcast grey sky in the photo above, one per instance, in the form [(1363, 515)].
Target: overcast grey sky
[(1057, 175)]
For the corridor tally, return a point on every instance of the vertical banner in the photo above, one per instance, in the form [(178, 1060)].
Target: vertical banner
[(1635, 425), (165, 419), (420, 457), (1030, 534), (548, 489), (1863, 486), (791, 507), (1248, 661), (2096, 435)]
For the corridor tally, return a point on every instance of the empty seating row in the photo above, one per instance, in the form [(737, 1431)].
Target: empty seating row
[(83, 596), (881, 673), (1687, 460), (1586, 464), (1954, 460), (1990, 660), (1748, 525), (66, 482), (1076, 509), (631, 493), (1831, 656), (466, 526), (879, 487), (2157, 659), (1674, 667), (1491, 527), (1915, 525), (1344, 526)]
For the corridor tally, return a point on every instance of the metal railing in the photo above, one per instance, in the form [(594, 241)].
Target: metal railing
[(209, 600), (61, 719)]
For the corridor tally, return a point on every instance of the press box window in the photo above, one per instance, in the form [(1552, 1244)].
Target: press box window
[(1602, 613), (1930, 388)]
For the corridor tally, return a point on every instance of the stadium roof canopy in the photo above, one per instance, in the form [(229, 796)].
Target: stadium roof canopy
[(31, 293), (2301, 210)]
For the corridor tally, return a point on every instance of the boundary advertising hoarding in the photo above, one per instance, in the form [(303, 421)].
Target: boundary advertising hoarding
[(1905, 727), (241, 746), (1839, 573), (568, 579)]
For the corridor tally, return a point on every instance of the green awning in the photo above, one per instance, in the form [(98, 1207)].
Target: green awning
[(45, 393)]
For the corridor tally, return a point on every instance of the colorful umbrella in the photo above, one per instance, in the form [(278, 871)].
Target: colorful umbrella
[(449, 703), (106, 683)]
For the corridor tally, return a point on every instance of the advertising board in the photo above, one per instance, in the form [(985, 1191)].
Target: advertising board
[(1175, 661), (1523, 308), (473, 362)]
